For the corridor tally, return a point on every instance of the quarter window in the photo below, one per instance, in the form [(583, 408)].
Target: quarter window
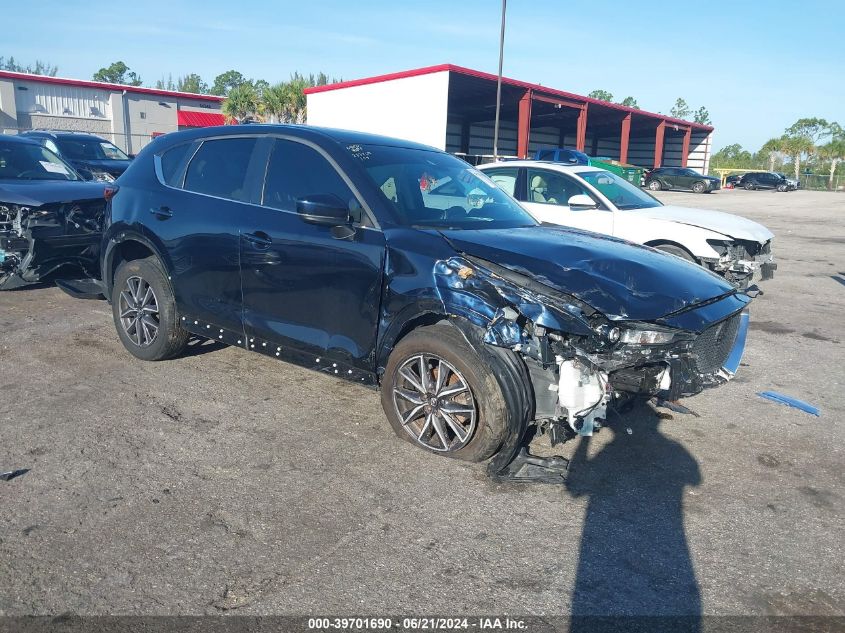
[(173, 164), (296, 171), (219, 168)]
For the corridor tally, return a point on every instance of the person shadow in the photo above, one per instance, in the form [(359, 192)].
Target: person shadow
[(635, 571)]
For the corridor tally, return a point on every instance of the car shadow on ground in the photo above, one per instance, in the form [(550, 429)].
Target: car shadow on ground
[(197, 346), (634, 557)]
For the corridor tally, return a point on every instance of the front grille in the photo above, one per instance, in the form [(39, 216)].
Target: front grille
[(713, 346)]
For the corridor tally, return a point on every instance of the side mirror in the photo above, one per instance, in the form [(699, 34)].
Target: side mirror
[(581, 202), (323, 209), (131, 156)]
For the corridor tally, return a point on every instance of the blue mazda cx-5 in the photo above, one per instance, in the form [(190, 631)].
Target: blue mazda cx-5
[(401, 267)]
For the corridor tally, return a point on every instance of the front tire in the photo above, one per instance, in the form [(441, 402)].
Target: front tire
[(654, 185), (677, 251), (698, 187), (144, 311), (441, 395), (749, 186)]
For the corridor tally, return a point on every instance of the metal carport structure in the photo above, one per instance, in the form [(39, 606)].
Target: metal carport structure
[(453, 108)]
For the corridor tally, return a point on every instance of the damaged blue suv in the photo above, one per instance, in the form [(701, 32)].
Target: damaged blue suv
[(399, 266)]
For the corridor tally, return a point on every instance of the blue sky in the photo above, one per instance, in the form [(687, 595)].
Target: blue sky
[(757, 66)]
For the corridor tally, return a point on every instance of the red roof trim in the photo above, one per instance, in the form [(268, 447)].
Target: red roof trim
[(427, 70), (5, 74), (190, 118)]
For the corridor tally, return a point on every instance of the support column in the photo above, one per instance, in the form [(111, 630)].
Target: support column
[(624, 138), (685, 150), (523, 128), (658, 144), (465, 136), (581, 138)]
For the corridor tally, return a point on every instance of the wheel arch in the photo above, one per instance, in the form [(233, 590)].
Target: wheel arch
[(128, 247), (665, 242), (403, 324)]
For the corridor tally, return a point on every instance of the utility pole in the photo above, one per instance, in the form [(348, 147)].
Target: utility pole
[(499, 83)]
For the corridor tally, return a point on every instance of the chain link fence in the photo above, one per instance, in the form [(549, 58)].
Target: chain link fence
[(821, 182)]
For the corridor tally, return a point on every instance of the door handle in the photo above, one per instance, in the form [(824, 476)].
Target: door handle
[(162, 213), (259, 239)]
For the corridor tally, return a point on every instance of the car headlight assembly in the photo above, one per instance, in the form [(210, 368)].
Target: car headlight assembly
[(637, 336), (103, 176)]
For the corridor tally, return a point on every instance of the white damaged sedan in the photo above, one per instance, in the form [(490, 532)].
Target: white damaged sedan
[(597, 200)]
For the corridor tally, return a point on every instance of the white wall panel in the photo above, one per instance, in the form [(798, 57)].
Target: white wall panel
[(62, 100), (410, 108)]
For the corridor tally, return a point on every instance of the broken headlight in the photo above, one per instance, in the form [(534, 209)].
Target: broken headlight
[(649, 336), (102, 176)]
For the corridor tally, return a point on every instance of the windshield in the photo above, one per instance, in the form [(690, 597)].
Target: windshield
[(619, 191), (28, 161), (90, 149), (430, 189)]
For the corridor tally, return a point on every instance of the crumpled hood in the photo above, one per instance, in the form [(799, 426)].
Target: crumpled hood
[(34, 193), (617, 278), (735, 226)]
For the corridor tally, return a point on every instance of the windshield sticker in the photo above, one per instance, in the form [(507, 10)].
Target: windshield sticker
[(359, 152), (427, 182), (54, 168)]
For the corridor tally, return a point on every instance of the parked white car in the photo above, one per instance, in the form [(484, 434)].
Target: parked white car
[(597, 200)]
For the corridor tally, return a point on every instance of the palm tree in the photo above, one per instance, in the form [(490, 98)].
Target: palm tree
[(795, 147), (774, 148), (242, 102), (835, 153), (274, 99), (295, 100)]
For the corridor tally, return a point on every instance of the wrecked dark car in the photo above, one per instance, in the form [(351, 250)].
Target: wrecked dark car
[(50, 220), (94, 158), (332, 250)]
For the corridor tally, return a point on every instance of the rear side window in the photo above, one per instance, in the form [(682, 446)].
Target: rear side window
[(297, 171), (219, 168), (173, 164)]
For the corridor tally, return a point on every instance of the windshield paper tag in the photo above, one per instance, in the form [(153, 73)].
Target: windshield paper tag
[(53, 168)]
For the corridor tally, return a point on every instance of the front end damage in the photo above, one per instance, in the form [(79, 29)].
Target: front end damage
[(37, 240), (580, 362), (742, 262)]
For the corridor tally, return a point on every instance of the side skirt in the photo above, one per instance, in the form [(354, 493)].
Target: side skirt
[(279, 352)]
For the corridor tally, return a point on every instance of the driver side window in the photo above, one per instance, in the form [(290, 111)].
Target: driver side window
[(548, 187)]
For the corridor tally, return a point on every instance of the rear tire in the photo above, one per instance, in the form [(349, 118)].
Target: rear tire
[(654, 185), (441, 349), (144, 311), (677, 251)]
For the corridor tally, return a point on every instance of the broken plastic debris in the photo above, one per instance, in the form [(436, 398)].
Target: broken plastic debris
[(774, 396), (13, 473), (675, 406)]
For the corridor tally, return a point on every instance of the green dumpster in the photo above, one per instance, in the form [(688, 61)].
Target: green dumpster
[(631, 173)]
